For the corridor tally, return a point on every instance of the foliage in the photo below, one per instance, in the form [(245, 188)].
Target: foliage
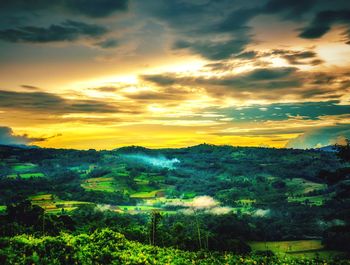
[(109, 247)]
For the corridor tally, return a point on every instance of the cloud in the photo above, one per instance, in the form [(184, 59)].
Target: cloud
[(289, 9), (286, 83), (220, 30), (256, 80), (89, 8), (205, 204), (298, 57), (215, 50), (283, 111), (105, 89), (323, 22), (66, 31), (8, 137), (108, 43), (30, 87), (319, 137), (44, 102)]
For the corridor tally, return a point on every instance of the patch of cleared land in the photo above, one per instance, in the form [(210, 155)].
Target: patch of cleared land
[(148, 194), (52, 204), (302, 248), (106, 184)]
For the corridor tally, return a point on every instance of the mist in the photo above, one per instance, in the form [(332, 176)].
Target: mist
[(159, 161)]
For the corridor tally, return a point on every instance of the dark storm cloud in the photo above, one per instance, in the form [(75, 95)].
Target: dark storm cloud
[(90, 8), (323, 22), (48, 103), (66, 31), (7, 137)]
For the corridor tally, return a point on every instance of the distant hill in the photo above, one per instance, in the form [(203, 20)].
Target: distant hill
[(328, 148)]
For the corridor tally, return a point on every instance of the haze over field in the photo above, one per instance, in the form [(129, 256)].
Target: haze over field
[(91, 74)]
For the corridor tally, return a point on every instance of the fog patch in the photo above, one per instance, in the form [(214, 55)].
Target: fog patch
[(103, 207), (202, 204), (262, 213), (334, 222), (159, 161)]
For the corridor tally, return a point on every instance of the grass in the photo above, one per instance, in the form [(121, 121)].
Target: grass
[(41, 197), (26, 175), (25, 167), (32, 175), (2, 208), (189, 195), (299, 186), (298, 248), (312, 200), (106, 184), (246, 201), (146, 194)]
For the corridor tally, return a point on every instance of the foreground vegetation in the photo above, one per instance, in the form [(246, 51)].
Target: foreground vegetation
[(109, 247)]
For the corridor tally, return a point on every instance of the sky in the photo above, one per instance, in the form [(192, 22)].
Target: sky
[(158, 73)]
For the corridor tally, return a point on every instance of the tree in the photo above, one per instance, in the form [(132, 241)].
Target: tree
[(155, 218), (344, 151)]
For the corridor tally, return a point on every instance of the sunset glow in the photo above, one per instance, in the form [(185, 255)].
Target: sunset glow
[(174, 73)]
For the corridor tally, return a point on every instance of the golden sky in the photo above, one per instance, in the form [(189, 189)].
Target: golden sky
[(158, 73)]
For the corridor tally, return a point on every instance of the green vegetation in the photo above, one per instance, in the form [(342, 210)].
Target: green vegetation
[(148, 195), (52, 204), (210, 201), (2, 208), (296, 248), (100, 184), (109, 247), (25, 167)]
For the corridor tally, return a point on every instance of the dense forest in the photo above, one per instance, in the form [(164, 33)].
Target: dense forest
[(204, 204)]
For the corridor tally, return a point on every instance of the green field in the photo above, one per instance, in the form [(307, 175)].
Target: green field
[(311, 200), (300, 248), (25, 167), (2, 208), (52, 204), (100, 184), (147, 194), (299, 186)]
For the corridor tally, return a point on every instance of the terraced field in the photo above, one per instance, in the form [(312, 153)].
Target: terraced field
[(106, 184), (53, 205)]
